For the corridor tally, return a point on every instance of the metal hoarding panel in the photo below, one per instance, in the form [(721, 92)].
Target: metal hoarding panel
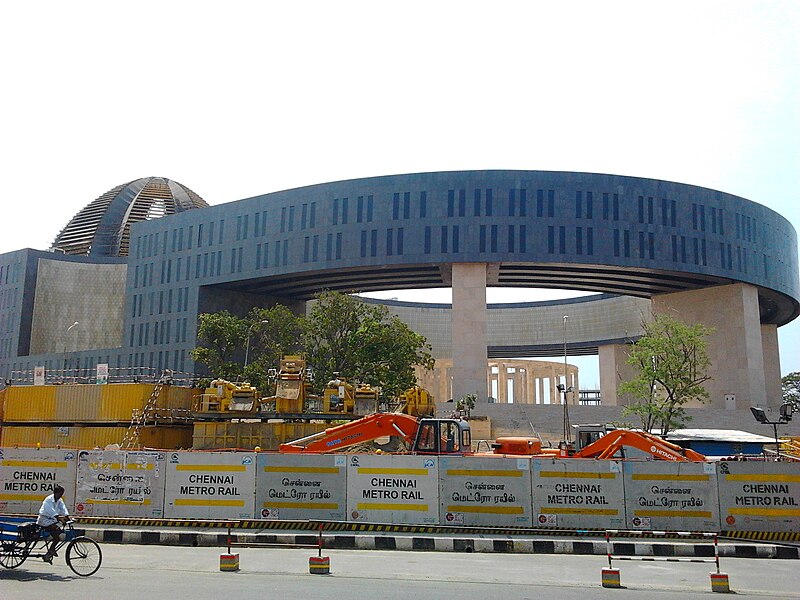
[(675, 496), (578, 493), (759, 496), (118, 400), (27, 476), (115, 483), (485, 491), (210, 485), (30, 403), (75, 403), (301, 487), (393, 489)]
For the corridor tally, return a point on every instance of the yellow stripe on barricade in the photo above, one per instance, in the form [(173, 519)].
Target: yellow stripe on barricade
[(207, 502), (668, 477), (313, 505), (553, 510), (762, 477), (391, 471), (766, 512), (332, 470), (380, 506), (578, 475), (695, 514), (56, 464), (210, 467), (22, 497), (493, 510), (484, 473)]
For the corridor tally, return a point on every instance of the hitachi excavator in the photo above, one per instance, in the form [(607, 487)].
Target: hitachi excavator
[(453, 437), (422, 436)]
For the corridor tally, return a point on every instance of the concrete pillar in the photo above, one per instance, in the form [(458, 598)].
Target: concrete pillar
[(735, 349), (614, 369), (469, 330), (502, 383), (772, 365)]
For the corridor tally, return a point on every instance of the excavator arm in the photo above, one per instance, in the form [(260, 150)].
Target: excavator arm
[(608, 445), (363, 430)]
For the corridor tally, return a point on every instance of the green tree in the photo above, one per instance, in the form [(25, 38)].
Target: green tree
[(221, 335), (790, 387), (466, 403), (363, 342), (672, 366), (273, 332)]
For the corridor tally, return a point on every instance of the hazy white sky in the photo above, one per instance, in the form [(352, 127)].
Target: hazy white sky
[(238, 99)]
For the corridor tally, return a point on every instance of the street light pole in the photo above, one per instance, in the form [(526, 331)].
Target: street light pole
[(247, 345), (566, 388)]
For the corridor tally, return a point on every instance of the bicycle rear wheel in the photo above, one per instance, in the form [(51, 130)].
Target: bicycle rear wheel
[(84, 556), (12, 554)]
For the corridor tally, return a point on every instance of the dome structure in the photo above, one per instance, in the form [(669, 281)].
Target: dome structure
[(102, 228)]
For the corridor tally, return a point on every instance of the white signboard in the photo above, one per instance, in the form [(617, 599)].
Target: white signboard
[(38, 376), (301, 487), (578, 493), (114, 483), (210, 485), (392, 489), (28, 475), (677, 496), (759, 496), (102, 373), (485, 491)]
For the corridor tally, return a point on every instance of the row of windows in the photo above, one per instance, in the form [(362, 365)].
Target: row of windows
[(163, 332), (163, 359), (8, 298), (9, 273), (745, 228), (308, 217), (162, 302)]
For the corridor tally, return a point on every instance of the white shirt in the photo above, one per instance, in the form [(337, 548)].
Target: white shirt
[(51, 508)]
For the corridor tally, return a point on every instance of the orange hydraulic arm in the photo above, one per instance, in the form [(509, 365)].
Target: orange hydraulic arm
[(660, 449), (356, 432)]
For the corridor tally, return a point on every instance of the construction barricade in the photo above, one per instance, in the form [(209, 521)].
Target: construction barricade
[(393, 489), (677, 496), (27, 476), (115, 483), (485, 491), (759, 496), (210, 485), (578, 493), (292, 487)]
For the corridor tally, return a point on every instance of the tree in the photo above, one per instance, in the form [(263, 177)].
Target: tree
[(790, 387), (222, 335), (363, 342), (273, 332), (672, 366), (466, 403)]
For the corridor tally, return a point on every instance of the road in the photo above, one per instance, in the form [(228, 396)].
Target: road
[(133, 572)]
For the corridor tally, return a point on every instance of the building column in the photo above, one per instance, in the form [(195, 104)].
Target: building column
[(614, 369), (772, 365), (735, 348), (469, 331)]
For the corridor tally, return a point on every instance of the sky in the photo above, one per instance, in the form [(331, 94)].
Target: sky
[(238, 99)]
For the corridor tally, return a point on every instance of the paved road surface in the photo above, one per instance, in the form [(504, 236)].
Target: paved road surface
[(132, 572)]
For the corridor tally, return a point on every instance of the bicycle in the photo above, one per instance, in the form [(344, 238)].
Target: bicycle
[(22, 540)]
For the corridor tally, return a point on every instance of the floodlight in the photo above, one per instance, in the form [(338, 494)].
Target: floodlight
[(759, 414)]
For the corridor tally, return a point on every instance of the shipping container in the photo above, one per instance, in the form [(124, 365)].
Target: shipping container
[(267, 436), (168, 438)]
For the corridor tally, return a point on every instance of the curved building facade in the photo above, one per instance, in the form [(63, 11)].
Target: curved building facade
[(655, 240)]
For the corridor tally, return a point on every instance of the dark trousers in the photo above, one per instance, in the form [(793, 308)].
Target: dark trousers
[(55, 533)]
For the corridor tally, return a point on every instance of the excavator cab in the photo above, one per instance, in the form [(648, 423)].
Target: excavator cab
[(442, 436)]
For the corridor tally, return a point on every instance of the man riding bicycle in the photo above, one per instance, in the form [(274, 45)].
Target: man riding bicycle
[(52, 511)]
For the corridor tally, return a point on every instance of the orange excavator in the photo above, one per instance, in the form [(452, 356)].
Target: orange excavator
[(421, 436), (453, 437)]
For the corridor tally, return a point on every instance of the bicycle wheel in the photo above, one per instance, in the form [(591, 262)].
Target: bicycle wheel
[(84, 556), (12, 554)]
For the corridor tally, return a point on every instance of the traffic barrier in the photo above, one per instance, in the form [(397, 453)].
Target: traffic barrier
[(719, 581), (610, 578), (229, 562), (27, 476), (319, 565)]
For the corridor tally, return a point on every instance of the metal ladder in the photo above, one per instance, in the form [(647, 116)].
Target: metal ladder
[(139, 417)]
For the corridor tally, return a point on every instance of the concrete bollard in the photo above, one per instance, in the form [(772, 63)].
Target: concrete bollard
[(229, 562), (611, 578), (319, 565), (719, 583)]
